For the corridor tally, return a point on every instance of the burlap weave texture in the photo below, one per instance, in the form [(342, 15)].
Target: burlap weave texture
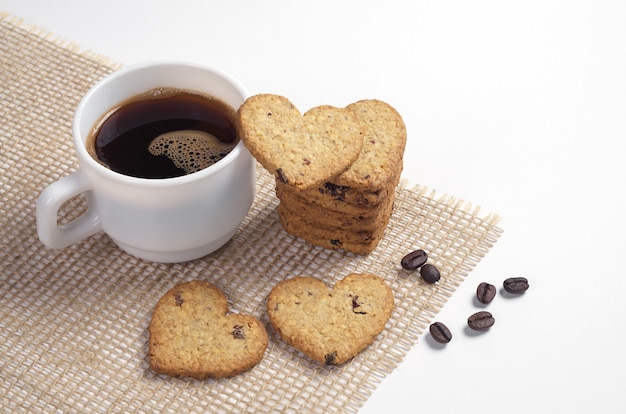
[(73, 323)]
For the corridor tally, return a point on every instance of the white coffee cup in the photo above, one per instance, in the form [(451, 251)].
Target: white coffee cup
[(162, 220)]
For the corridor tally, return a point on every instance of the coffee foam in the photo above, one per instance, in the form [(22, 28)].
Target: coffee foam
[(190, 150)]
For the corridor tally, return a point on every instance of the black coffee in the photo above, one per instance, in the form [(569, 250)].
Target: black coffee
[(164, 133)]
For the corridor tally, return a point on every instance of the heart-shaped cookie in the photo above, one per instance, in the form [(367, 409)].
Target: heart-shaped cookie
[(192, 334), (300, 150), (384, 140), (330, 326)]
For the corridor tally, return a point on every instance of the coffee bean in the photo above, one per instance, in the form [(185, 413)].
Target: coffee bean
[(430, 273), (480, 321), (485, 292), (440, 333), (516, 285), (414, 260)]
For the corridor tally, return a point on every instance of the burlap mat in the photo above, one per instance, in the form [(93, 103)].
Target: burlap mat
[(73, 323)]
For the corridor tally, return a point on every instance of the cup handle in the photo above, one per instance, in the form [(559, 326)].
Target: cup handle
[(50, 201)]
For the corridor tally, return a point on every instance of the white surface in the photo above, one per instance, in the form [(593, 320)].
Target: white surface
[(517, 106)]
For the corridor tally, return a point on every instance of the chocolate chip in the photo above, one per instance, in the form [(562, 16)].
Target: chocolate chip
[(329, 359), (178, 299), (356, 306), (281, 176), (238, 332), (336, 191)]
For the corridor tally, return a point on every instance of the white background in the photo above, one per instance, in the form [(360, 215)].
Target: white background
[(516, 106)]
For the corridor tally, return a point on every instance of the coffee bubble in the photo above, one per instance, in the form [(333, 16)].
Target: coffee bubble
[(190, 150)]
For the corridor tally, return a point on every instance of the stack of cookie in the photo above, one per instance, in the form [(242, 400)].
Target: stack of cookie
[(341, 204)]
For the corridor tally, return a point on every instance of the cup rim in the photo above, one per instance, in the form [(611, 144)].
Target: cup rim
[(100, 169)]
